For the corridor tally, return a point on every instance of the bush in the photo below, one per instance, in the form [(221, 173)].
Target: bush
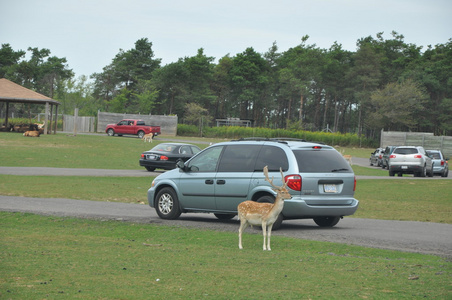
[(236, 132)]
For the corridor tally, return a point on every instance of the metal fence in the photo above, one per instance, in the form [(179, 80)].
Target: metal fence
[(424, 139)]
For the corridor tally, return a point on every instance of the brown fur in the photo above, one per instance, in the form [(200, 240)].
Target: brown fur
[(147, 137), (32, 133)]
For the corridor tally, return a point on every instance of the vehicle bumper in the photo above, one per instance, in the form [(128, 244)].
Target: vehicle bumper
[(405, 168), (297, 208), (159, 164)]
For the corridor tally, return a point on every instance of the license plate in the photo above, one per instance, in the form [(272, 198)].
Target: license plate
[(330, 188), (404, 167), (152, 157)]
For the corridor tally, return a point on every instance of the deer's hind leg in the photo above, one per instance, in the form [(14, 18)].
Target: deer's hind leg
[(243, 225)]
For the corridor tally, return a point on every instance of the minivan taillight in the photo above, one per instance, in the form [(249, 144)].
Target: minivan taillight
[(354, 186), (293, 182)]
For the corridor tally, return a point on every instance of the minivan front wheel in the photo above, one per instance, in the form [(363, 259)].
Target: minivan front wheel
[(326, 221), (167, 204), (270, 199)]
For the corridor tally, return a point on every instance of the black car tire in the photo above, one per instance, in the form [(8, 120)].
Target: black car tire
[(224, 216), (423, 172), (445, 174), (326, 221), (167, 204), (271, 199), (150, 169), (110, 132)]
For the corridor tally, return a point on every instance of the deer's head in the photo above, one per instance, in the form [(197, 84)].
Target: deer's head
[(281, 191)]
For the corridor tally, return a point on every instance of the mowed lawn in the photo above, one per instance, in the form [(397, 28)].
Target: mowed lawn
[(50, 257)]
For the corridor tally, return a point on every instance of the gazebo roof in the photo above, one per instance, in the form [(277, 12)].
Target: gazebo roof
[(12, 92)]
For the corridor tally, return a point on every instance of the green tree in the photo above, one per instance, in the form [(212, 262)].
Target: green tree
[(9, 58), (197, 115), (398, 106), (248, 77)]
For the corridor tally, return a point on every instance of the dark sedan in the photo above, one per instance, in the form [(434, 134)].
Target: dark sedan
[(165, 155)]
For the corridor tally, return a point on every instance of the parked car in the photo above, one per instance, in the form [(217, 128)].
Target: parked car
[(165, 155), (376, 157), (220, 177), (410, 160), (440, 163), (386, 154)]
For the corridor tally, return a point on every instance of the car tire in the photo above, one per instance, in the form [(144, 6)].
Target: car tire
[(140, 134), (167, 204), (224, 216), (391, 173), (445, 174), (271, 199), (150, 169), (110, 132), (326, 221), (423, 172), (430, 174)]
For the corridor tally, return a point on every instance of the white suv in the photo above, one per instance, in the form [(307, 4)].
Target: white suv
[(219, 178), (410, 160)]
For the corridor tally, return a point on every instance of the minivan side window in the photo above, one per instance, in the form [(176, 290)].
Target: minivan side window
[(239, 158), (273, 157), (206, 161)]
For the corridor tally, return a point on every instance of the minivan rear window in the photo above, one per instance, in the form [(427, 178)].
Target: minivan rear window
[(405, 151), (321, 161)]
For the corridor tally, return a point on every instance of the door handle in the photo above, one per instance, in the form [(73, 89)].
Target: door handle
[(221, 181), (209, 181)]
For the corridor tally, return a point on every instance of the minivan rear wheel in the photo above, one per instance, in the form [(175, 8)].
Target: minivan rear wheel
[(271, 199), (326, 221), (167, 204)]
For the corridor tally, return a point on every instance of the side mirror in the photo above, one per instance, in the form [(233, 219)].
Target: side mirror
[(180, 164)]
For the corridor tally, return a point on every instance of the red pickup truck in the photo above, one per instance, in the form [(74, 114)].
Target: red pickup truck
[(134, 127)]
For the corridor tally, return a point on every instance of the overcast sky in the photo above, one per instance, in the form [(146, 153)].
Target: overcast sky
[(89, 33)]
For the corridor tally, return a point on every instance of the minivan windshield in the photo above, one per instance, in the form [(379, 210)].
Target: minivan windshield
[(321, 161)]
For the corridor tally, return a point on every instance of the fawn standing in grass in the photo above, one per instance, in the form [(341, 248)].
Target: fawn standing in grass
[(264, 214)]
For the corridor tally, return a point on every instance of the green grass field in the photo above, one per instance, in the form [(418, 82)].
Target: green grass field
[(51, 257)]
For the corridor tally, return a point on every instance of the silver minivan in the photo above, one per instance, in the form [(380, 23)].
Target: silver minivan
[(219, 178)]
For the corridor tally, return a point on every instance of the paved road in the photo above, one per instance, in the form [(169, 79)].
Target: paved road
[(419, 237)]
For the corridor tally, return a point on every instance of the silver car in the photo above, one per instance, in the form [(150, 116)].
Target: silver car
[(219, 178), (410, 160), (440, 163), (376, 157)]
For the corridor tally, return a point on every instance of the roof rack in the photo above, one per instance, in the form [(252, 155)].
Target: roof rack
[(279, 139)]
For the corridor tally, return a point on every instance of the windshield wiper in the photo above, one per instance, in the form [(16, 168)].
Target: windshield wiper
[(338, 170)]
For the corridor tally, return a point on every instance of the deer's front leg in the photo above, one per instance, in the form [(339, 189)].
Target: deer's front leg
[(269, 233), (264, 233)]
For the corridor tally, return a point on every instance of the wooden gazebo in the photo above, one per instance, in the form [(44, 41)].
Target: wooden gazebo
[(11, 92)]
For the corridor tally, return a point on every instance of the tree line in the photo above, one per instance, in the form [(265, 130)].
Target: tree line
[(385, 84)]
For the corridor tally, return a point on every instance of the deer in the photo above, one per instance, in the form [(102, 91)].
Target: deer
[(347, 157), (264, 214), (148, 137)]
